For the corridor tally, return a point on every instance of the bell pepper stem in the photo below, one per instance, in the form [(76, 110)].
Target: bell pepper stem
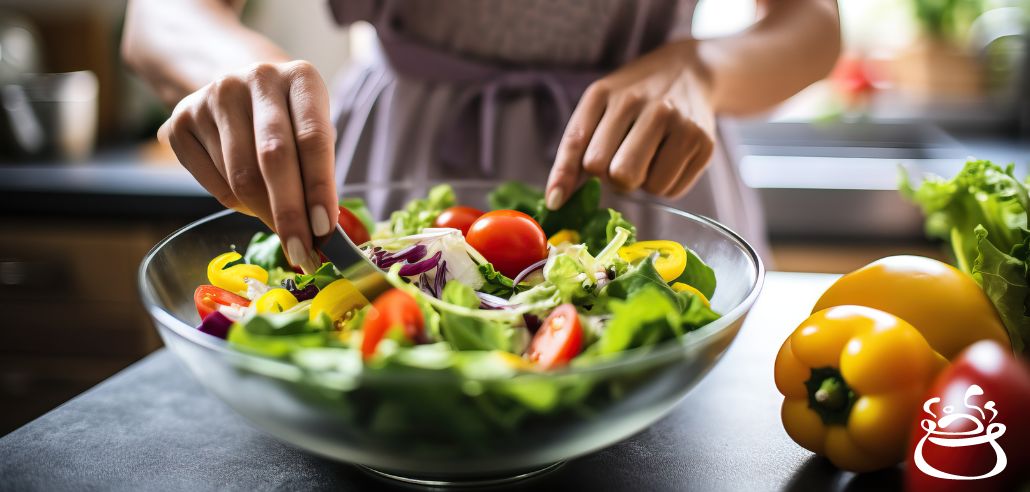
[(832, 393), (829, 395)]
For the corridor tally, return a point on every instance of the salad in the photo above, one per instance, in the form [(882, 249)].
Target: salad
[(517, 290)]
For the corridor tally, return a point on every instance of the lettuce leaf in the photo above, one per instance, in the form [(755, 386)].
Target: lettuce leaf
[(982, 193), (465, 331), (325, 275), (419, 214), (698, 274), (278, 334), (515, 195), (265, 251), (1003, 277), (495, 282), (601, 227), (648, 317), (576, 212)]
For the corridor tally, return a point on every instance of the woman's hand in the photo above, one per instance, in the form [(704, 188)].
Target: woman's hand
[(648, 125), (260, 141)]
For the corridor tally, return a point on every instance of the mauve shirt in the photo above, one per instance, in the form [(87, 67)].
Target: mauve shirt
[(483, 89)]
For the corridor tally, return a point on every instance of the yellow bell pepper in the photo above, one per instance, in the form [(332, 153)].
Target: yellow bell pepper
[(853, 379), (338, 300), (944, 304), (671, 260), (682, 287), (231, 278), (275, 301), (564, 236)]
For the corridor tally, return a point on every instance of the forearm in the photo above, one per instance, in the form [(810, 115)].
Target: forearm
[(179, 47), (794, 43)]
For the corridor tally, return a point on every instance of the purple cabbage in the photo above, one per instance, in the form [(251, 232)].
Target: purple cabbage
[(216, 324), (441, 278), (411, 269), (424, 284), (384, 259)]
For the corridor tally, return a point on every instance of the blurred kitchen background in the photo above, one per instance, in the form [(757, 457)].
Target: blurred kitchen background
[(85, 190)]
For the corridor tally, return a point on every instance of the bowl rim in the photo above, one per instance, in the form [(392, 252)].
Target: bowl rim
[(617, 363)]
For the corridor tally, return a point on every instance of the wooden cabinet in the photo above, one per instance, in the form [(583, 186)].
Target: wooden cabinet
[(70, 309)]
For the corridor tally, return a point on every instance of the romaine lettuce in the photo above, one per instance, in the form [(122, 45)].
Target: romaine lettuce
[(982, 212)]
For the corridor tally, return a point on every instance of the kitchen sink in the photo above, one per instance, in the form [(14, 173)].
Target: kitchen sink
[(839, 180)]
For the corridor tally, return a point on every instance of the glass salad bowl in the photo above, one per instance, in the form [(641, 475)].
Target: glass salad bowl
[(430, 424)]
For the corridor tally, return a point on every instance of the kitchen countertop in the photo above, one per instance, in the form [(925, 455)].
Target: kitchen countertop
[(153, 427)]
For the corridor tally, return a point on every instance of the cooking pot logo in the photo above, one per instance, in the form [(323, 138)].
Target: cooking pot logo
[(951, 418)]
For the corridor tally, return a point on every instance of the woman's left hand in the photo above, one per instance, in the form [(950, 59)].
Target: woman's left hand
[(648, 125)]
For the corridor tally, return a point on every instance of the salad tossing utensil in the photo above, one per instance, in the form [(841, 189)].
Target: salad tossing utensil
[(353, 264)]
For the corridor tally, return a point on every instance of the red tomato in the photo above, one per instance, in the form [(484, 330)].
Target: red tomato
[(208, 298), (353, 226), (558, 340), (1003, 380), (393, 309), (460, 217), (509, 239)]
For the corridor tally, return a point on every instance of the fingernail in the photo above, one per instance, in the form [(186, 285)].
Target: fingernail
[(554, 198), (320, 220), (295, 250)]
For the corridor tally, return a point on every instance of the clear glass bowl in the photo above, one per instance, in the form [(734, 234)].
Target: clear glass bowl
[(434, 426)]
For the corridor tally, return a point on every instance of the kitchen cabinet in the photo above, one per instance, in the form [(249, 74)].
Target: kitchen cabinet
[(71, 310)]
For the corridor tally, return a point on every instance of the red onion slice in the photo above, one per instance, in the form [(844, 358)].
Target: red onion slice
[(525, 273), (490, 301)]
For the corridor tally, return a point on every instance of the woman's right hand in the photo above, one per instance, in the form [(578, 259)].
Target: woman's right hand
[(260, 141)]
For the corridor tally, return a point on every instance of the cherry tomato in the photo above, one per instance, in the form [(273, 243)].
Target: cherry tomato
[(558, 340), (208, 298), (393, 309), (459, 217), (509, 239), (352, 225)]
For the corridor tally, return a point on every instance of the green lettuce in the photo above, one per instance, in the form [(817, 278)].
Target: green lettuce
[(266, 251), (419, 214), (698, 274), (325, 275), (982, 213), (515, 195), (601, 228), (581, 213), (495, 282), (278, 334), (466, 331), (650, 316)]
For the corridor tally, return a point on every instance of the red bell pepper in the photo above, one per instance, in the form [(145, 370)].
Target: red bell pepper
[(985, 394)]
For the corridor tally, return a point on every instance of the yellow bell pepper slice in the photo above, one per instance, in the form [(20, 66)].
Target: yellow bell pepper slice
[(231, 278), (564, 236), (853, 379), (682, 287), (275, 301), (338, 300), (671, 261)]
